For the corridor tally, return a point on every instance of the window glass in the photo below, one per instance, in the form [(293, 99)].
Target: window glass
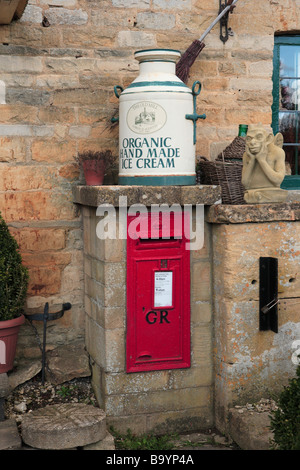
[(289, 61), (292, 160), (286, 105), (290, 94), (288, 126)]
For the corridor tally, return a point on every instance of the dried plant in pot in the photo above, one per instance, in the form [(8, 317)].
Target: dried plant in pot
[(95, 164), (13, 291)]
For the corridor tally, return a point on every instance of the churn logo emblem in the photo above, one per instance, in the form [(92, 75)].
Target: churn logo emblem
[(146, 117)]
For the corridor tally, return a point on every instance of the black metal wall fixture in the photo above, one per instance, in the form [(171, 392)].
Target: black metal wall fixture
[(45, 317), (268, 294), (225, 31)]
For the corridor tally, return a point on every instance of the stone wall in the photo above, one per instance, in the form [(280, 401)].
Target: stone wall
[(163, 400), (233, 362), (58, 67), (251, 364)]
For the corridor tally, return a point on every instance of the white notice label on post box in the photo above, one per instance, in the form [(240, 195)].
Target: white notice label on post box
[(163, 284)]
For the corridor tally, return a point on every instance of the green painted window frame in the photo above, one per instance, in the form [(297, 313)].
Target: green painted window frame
[(290, 181)]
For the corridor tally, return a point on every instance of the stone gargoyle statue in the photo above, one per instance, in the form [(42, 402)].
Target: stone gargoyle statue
[(263, 166)]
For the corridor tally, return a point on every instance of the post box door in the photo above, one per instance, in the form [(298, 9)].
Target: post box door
[(158, 304)]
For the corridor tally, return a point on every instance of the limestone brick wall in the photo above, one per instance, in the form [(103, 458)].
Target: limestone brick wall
[(58, 66), (251, 364), (159, 401)]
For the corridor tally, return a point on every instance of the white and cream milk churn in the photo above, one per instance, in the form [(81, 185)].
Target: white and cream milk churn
[(157, 123)]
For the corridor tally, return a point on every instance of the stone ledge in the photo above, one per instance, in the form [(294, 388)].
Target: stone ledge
[(248, 213), (250, 430), (147, 195)]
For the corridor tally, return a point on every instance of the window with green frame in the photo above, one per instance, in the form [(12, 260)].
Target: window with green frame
[(286, 103)]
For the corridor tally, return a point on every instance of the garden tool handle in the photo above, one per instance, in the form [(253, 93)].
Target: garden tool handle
[(223, 12)]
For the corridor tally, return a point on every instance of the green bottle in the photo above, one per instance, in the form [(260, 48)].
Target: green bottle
[(243, 128)]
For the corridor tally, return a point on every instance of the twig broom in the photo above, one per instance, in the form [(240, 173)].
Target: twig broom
[(190, 55)]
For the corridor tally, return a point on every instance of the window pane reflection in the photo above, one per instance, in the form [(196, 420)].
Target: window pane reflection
[(288, 127), (292, 160), (290, 94), (289, 61)]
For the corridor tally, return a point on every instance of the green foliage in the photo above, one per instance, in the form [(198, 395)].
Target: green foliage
[(64, 391), (285, 421), (13, 276), (130, 441)]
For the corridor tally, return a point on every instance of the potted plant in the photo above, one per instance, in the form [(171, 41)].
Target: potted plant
[(95, 164), (13, 290)]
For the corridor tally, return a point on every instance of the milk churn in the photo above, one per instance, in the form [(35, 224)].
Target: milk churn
[(157, 123)]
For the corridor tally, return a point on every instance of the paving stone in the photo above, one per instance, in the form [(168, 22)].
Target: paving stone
[(9, 435), (24, 371), (67, 362), (108, 443), (2, 412), (202, 441), (4, 385), (64, 426), (250, 430), (4, 391)]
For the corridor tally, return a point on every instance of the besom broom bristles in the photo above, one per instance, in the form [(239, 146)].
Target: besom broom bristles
[(190, 55), (187, 59)]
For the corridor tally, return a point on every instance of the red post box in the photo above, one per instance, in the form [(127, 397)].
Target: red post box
[(158, 296)]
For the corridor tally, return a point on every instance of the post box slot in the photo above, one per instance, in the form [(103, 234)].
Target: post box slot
[(152, 242), (161, 239)]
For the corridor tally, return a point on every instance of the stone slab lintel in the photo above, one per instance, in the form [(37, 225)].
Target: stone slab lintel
[(249, 213), (147, 195)]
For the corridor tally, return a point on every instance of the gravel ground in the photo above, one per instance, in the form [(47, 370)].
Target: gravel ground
[(33, 395), (265, 404)]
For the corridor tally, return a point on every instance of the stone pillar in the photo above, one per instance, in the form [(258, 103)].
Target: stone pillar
[(251, 364), (163, 400)]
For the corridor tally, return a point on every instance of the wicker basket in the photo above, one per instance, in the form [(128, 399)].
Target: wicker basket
[(227, 174)]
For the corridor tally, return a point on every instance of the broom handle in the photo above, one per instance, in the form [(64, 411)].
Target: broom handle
[(223, 12)]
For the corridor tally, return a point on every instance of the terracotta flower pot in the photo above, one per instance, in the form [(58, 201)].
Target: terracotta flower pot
[(9, 330), (7, 10), (94, 171)]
